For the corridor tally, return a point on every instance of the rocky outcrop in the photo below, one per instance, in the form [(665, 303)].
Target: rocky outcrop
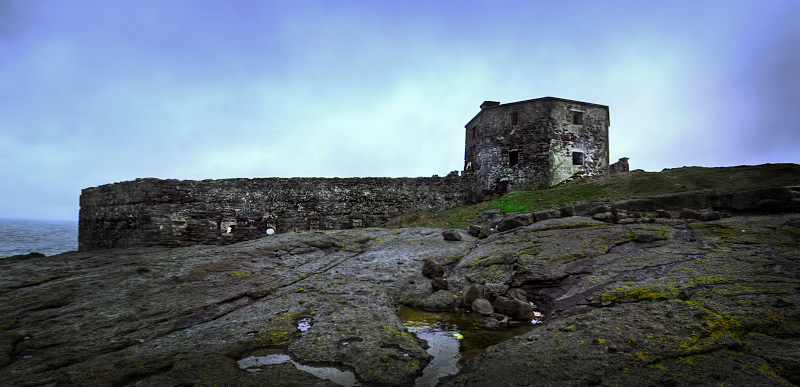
[(705, 205), (672, 302)]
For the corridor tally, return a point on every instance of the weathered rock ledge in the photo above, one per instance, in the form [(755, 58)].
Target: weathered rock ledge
[(683, 302)]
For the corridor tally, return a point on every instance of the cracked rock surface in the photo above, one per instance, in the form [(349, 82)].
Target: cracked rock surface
[(678, 302)]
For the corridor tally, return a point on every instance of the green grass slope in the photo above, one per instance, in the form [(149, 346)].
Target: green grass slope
[(629, 185)]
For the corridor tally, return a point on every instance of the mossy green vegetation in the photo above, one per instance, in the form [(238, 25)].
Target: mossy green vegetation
[(632, 292), (634, 184)]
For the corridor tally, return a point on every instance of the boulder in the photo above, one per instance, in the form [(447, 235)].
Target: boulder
[(603, 216), (514, 221), (482, 306), (472, 293), (494, 289), (439, 283), (516, 309), (432, 268), (517, 293), (599, 209), (688, 213), (663, 214), (441, 301), (479, 231), (709, 214), (548, 214), (451, 235)]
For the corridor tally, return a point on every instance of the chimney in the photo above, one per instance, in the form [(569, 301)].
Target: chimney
[(487, 104)]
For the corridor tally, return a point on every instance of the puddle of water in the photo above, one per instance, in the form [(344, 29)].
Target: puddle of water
[(444, 349), (256, 363), (454, 338)]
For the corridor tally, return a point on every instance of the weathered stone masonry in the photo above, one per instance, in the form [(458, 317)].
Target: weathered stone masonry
[(527, 144), (185, 212), (536, 143)]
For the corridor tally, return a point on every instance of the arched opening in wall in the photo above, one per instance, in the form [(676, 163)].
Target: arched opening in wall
[(577, 158), (513, 157), (269, 224)]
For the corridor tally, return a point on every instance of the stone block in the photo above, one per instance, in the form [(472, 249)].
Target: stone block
[(516, 309), (482, 306), (478, 231), (451, 235), (546, 214), (441, 301), (472, 293), (432, 268)]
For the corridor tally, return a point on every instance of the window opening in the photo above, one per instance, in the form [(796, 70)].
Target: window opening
[(577, 118), (577, 158), (514, 118), (513, 158)]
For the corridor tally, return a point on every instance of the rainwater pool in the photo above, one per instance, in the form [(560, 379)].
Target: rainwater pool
[(453, 338)]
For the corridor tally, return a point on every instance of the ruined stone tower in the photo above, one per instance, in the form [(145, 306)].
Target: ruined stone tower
[(536, 143)]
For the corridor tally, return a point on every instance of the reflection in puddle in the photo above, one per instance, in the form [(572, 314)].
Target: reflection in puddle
[(255, 363), (444, 349), (453, 338)]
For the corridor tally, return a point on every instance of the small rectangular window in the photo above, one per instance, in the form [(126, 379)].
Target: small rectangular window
[(577, 118), (514, 116), (513, 158), (577, 158)]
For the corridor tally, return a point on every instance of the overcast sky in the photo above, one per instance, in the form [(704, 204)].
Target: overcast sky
[(96, 92)]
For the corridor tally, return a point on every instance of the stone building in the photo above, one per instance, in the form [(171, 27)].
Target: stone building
[(528, 144), (536, 143)]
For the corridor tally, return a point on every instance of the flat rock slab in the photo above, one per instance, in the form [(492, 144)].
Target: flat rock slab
[(680, 303)]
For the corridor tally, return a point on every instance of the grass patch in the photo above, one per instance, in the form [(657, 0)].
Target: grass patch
[(629, 185)]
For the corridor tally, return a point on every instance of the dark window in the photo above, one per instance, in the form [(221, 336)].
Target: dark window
[(514, 118), (577, 158), (577, 118), (513, 158)]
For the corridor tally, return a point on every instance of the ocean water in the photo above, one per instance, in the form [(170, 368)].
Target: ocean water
[(49, 237)]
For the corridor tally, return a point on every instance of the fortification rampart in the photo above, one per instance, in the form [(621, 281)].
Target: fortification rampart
[(151, 211), (536, 143)]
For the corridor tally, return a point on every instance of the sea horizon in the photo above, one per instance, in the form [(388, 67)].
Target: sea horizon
[(49, 237)]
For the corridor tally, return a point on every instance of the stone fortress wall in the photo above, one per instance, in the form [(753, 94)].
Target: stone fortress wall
[(510, 146), (185, 212)]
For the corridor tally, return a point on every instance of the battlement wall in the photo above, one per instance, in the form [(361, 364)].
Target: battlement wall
[(155, 212)]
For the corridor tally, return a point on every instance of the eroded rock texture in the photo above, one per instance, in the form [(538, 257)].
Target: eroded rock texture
[(680, 302)]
